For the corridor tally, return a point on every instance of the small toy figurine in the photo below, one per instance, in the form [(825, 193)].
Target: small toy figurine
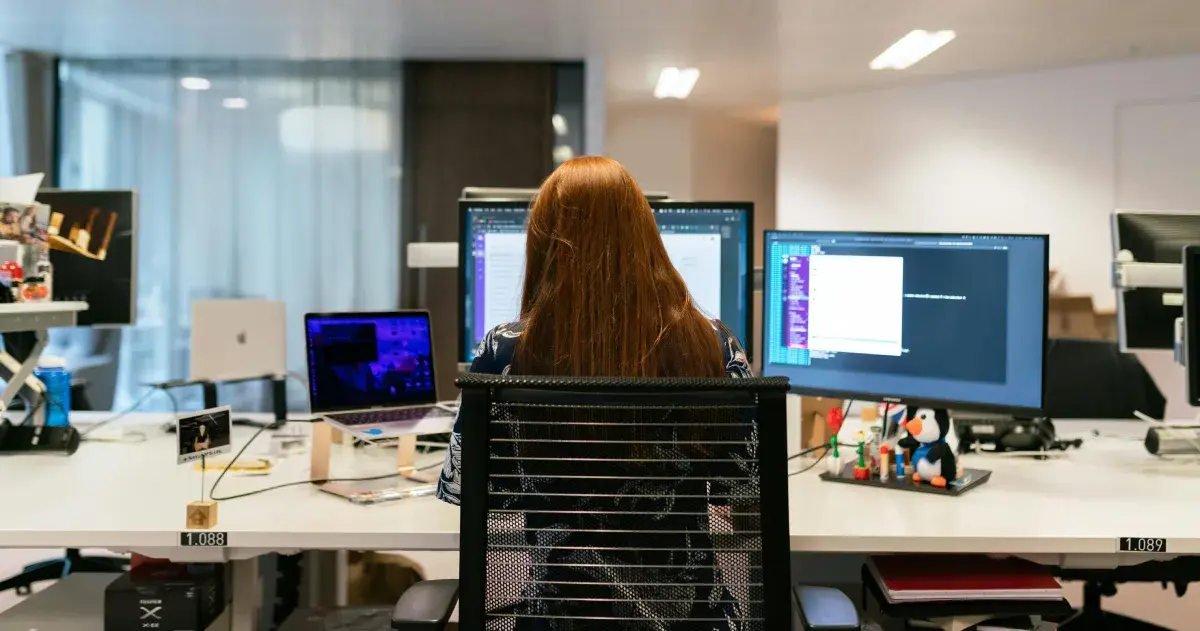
[(836, 419), (861, 470), (932, 459), (835, 460), (885, 463)]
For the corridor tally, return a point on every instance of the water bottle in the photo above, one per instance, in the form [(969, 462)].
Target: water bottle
[(52, 372)]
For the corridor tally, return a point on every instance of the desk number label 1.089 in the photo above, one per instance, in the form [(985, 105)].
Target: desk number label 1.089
[(203, 539), (1141, 544)]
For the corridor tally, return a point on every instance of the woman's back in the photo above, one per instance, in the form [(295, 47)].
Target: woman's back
[(601, 298)]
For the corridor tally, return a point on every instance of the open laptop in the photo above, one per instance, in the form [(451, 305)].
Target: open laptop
[(372, 374), (238, 339)]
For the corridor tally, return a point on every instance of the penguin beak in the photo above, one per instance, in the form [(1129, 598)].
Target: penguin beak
[(913, 427)]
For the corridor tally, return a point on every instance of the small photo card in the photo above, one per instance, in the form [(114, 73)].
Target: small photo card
[(205, 433)]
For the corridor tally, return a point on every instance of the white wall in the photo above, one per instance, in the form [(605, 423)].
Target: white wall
[(1053, 151), (655, 143), (1029, 152)]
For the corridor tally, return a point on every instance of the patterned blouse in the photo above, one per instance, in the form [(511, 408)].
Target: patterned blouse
[(494, 356)]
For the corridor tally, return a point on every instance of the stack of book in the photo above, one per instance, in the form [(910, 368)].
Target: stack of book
[(962, 591), (906, 578)]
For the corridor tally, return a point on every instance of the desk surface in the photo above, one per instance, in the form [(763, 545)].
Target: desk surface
[(132, 496)]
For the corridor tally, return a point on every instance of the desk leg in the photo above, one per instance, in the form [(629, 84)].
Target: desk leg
[(246, 595)]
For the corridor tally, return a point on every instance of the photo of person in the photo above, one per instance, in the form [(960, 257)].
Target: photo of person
[(204, 434), (10, 226)]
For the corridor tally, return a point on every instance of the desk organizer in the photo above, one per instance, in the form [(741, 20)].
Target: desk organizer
[(970, 479)]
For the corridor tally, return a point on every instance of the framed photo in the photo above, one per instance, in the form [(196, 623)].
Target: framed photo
[(205, 433)]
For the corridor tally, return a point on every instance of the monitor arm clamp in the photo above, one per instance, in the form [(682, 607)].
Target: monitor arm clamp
[(1130, 274)]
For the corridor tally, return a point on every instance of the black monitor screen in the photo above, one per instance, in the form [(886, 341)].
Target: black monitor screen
[(1147, 316), (92, 249), (953, 319), (709, 243)]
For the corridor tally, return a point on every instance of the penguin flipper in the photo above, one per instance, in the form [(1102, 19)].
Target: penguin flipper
[(944, 456)]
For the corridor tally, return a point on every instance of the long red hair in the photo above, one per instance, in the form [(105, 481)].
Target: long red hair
[(601, 297)]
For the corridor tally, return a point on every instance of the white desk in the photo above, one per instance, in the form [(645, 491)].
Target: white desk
[(131, 497), (1079, 504)]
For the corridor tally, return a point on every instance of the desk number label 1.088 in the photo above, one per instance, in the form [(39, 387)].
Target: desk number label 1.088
[(1141, 544), (203, 539)]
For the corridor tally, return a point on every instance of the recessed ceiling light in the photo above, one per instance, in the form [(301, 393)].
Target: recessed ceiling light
[(910, 49), (560, 124), (676, 83), (195, 83), (234, 103)]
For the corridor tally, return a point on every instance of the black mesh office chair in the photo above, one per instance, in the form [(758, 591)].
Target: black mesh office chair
[(619, 505)]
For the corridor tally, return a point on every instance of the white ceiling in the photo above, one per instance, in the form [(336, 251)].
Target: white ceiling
[(751, 52)]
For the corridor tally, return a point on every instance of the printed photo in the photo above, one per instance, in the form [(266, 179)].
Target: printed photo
[(203, 434)]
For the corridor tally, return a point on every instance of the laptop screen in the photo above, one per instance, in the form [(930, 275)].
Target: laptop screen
[(369, 360)]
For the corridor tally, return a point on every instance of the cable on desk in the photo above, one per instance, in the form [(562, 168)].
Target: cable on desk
[(212, 492), (813, 464), (121, 414), (807, 451)]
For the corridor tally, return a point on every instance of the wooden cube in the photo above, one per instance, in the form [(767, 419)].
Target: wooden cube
[(202, 515)]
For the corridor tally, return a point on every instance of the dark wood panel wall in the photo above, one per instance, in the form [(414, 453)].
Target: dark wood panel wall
[(466, 124)]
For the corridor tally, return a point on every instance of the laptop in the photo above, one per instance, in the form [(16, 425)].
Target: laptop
[(372, 374), (238, 339)]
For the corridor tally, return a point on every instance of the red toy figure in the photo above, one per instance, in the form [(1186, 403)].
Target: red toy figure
[(836, 418)]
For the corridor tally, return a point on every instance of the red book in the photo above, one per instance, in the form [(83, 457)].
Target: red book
[(931, 577)]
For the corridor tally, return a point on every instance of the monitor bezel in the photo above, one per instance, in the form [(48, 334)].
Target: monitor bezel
[(928, 402), (359, 315), (747, 208), (1122, 308), (1191, 322), (464, 249)]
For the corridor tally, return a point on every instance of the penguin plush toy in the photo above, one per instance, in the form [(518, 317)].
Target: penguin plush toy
[(932, 458)]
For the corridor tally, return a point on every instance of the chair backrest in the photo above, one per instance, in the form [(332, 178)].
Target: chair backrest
[(617, 504), (1094, 379)]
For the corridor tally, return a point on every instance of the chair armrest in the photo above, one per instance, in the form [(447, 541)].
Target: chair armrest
[(426, 606)]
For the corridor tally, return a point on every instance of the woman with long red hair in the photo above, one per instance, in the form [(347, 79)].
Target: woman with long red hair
[(601, 297)]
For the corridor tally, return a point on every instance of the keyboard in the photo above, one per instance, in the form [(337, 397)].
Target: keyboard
[(380, 417)]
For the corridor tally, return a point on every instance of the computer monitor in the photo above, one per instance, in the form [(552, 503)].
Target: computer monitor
[(93, 250), (710, 244), (940, 320), (1191, 321), (1146, 316)]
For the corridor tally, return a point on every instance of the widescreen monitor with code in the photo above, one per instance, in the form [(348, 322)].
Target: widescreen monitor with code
[(710, 243), (945, 320)]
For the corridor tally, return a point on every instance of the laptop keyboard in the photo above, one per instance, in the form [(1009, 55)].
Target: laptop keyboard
[(378, 417)]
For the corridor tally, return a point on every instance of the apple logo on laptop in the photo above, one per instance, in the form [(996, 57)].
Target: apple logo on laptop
[(241, 338)]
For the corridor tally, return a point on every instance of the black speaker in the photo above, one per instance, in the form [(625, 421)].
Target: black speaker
[(38, 439)]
